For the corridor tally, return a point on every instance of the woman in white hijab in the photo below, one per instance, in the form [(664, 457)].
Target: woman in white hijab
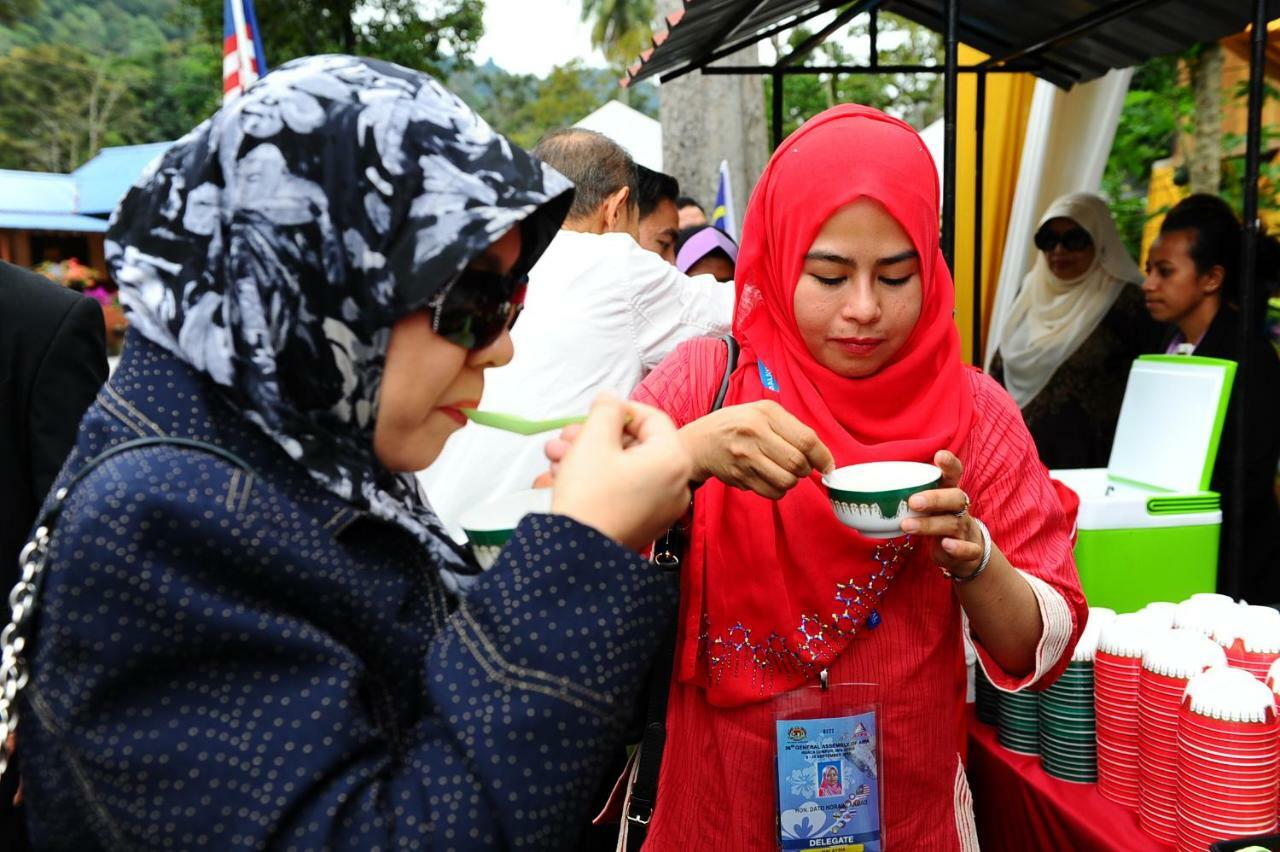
[(1072, 333)]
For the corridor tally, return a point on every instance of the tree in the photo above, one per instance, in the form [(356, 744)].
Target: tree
[(1155, 108), (12, 11), (59, 105), (523, 107), (562, 99), (915, 98), (1204, 159), (621, 28), (432, 36)]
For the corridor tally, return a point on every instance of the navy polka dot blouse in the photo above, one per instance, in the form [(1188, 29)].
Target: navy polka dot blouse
[(230, 661)]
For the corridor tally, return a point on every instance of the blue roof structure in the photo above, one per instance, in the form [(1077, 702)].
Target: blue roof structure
[(51, 222), (80, 201), (105, 179), (36, 192)]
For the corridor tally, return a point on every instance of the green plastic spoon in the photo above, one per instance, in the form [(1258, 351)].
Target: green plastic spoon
[(519, 425)]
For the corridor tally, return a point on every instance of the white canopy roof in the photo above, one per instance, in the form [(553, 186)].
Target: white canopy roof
[(630, 128)]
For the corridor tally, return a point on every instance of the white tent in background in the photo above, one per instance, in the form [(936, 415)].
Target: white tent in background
[(630, 128)]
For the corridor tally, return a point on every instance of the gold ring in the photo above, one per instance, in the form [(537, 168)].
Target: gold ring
[(965, 510)]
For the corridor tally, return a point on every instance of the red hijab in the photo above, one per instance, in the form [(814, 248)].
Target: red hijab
[(775, 591)]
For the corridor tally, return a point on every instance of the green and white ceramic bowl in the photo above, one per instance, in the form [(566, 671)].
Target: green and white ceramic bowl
[(872, 498), (490, 525)]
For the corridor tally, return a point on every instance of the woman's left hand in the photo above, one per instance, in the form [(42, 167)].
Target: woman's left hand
[(956, 542)]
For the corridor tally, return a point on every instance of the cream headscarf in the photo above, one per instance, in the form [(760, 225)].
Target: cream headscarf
[(1050, 317)]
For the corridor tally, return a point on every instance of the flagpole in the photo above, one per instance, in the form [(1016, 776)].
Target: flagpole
[(731, 214), (242, 38)]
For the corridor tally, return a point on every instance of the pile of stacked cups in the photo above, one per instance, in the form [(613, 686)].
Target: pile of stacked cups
[(1117, 669), (986, 698), (1068, 733), (1273, 683), (1228, 759), (1251, 637), (1019, 722), (1171, 659)]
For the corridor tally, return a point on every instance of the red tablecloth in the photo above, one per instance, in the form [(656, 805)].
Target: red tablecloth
[(1019, 808)]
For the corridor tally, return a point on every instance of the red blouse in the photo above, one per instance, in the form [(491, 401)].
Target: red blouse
[(915, 656)]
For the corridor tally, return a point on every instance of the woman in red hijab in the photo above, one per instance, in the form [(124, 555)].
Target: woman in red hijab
[(850, 354)]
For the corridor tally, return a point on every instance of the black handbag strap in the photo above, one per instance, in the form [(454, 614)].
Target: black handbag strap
[(644, 790), (24, 598)]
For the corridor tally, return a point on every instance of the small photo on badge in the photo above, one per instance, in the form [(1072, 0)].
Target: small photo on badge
[(830, 779)]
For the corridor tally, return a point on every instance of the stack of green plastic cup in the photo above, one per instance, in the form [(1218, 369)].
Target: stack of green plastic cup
[(1068, 732), (986, 698), (1019, 722), (1068, 724)]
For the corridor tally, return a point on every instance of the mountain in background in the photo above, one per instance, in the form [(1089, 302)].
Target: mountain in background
[(79, 76), (524, 107)]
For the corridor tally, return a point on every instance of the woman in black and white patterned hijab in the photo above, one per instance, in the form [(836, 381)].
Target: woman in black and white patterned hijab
[(275, 246)]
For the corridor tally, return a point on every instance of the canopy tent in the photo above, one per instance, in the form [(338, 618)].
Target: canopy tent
[(1067, 43), (630, 128)]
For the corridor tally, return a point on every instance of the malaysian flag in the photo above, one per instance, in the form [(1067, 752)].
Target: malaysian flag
[(243, 59), (722, 215)]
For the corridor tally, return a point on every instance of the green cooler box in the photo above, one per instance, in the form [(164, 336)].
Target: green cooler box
[(1148, 524)]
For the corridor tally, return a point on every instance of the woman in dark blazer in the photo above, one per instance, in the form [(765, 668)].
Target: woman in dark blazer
[(1193, 283), (249, 642)]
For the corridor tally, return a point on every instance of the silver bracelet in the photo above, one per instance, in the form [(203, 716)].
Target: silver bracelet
[(982, 563)]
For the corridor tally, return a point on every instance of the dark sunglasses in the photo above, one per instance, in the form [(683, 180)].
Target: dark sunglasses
[(1076, 239), (477, 307)]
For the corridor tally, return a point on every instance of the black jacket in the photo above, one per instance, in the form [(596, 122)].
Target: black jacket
[(53, 360), (1260, 393)]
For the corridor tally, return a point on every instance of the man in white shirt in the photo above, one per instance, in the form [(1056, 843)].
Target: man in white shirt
[(600, 313)]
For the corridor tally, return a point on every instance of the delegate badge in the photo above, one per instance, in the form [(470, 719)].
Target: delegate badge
[(828, 789)]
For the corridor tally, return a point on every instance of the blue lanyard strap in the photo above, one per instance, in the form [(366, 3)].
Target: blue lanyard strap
[(766, 377)]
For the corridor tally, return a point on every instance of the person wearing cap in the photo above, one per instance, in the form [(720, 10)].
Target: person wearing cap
[(706, 250)]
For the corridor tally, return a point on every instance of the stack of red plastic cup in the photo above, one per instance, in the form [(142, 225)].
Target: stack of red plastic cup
[(1170, 660), (1251, 637), (1228, 760), (1117, 668), (1273, 683)]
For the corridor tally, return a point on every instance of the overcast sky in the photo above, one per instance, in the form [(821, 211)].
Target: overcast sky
[(533, 36)]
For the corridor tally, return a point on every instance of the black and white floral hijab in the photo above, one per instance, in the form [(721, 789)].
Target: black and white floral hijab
[(273, 247)]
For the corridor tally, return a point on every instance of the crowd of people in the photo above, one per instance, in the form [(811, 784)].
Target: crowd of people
[(248, 617)]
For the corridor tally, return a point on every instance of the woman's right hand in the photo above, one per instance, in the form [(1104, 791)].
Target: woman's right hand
[(758, 446), (627, 478)]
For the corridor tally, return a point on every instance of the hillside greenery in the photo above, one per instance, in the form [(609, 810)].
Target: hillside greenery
[(78, 76)]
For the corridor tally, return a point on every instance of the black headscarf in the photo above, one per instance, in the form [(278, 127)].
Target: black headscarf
[(273, 247)]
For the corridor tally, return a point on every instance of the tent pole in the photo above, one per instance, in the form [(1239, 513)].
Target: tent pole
[(949, 145), (1249, 320), (980, 138), (873, 30)]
